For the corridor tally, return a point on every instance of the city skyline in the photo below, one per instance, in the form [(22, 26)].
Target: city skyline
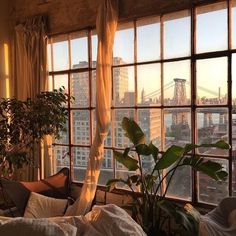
[(177, 124), (164, 126)]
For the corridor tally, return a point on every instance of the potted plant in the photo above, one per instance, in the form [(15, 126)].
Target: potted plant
[(23, 124), (150, 207)]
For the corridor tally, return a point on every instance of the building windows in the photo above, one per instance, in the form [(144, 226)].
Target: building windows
[(173, 75)]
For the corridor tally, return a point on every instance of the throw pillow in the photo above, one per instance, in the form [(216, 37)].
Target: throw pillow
[(56, 186), (40, 206)]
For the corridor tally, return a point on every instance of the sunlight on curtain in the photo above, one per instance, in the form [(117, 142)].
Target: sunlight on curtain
[(4, 70), (30, 67), (106, 28)]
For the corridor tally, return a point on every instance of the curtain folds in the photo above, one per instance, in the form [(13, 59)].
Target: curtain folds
[(30, 57), (30, 66), (106, 27)]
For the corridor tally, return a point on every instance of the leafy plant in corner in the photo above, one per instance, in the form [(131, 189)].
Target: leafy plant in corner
[(150, 206), (23, 124)]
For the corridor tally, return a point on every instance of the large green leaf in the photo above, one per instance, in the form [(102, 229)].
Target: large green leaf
[(180, 216), (187, 221), (130, 163), (171, 155), (189, 147), (208, 167), (219, 144), (143, 149), (193, 161), (146, 150), (133, 131), (154, 151), (212, 169)]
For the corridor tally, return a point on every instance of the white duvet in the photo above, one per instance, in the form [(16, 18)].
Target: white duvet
[(108, 220)]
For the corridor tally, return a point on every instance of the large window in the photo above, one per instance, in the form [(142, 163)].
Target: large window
[(174, 74)]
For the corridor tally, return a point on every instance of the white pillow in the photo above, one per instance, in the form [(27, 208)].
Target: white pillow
[(40, 206)]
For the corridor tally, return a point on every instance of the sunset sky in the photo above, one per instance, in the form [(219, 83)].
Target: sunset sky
[(211, 36)]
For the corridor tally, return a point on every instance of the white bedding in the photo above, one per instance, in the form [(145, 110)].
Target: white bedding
[(108, 220)]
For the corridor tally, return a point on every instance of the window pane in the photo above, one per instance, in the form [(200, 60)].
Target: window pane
[(123, 50), (93, 102), (50, 83), (60, 53), (49, 57), (106, 168), (212, 81), (80, 156), (79, 50), (148, 33), (234, 81), (150, 122), (234, 24), (81, 127), (60, 154), (94, 48), (80, 89), (61, 81), (120, 139), (177, 33), (181, 184), (234, 106), (177, 77), (64, 136), (211, 191), (149, 84), (123, 86), (212, 125), (177, 125), (211, 28)]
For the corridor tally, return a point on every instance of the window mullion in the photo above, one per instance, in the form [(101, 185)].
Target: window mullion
[(162, 95), (193, 98), (229, 21), (69, 112)]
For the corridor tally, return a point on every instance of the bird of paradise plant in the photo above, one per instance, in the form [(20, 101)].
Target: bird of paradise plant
[(150, 206)]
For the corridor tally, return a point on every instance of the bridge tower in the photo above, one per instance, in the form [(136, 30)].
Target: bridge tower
[(180, 125), (179, 92)]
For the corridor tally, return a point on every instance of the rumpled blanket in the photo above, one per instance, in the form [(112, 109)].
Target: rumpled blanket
[(108, 220), (221, 221)]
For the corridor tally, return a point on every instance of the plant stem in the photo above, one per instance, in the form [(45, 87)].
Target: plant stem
[(172, 174), (162, 180), (145, 192)]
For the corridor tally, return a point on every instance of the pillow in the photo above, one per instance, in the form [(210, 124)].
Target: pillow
[(40, 206), (56, 186)]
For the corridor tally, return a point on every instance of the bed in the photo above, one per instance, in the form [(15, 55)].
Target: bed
[(107, 220)]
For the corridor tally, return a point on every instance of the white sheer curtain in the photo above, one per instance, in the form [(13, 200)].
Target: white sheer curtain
[(30, 67), (106, 27)]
